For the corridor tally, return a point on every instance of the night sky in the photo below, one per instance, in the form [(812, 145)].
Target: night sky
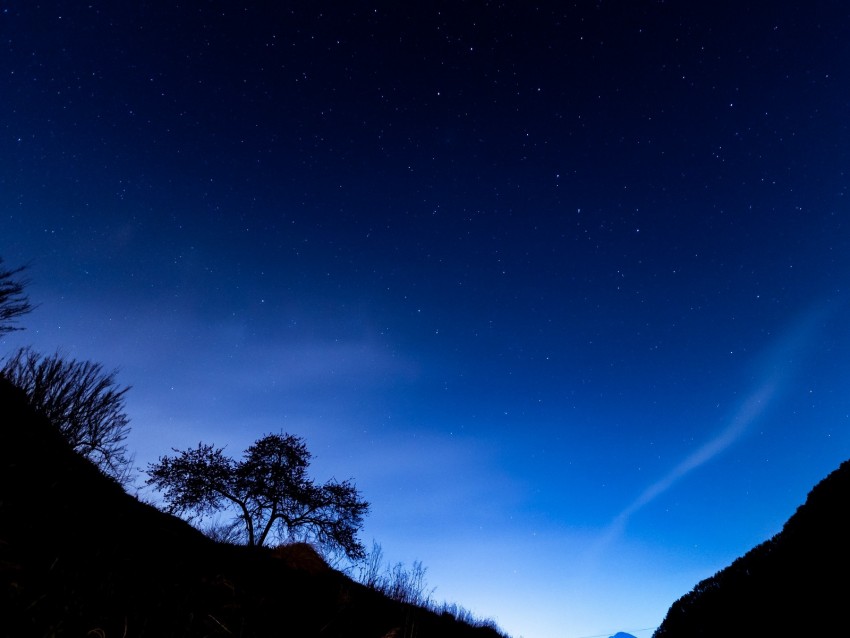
[(563, 287)]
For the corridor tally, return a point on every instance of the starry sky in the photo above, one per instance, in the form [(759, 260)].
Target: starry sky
[(561, 286)]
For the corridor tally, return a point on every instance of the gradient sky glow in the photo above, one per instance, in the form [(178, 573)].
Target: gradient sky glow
[(561, 286)]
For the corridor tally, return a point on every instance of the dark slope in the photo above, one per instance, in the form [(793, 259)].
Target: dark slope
[(797, 583), (78, 556)]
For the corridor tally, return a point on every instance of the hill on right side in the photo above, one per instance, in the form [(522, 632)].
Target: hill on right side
[(796, 583)]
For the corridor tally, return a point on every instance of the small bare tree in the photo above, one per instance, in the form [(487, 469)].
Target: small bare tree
[(13, 301), (370, 567), (406, 585), (82, 401)]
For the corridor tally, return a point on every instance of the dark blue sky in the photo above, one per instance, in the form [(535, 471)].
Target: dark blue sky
[(563, 288)]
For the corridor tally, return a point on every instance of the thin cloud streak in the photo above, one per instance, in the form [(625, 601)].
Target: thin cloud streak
[(776, 369), (752, 409)]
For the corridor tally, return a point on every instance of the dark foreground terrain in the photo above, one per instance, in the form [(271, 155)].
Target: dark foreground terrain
[(795, 584), (80, 557)]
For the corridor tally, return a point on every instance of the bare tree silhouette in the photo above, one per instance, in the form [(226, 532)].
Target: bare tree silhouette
[(13, 301), (267, 490), (81, 400)]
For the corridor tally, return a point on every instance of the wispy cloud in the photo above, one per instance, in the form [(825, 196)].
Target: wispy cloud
[(751, 409), (774, 371)]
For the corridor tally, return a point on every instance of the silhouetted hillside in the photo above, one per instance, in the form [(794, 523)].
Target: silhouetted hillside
[(79, 556), (793, 584)]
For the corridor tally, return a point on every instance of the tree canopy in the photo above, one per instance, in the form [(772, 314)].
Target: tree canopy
[(268, 491)]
